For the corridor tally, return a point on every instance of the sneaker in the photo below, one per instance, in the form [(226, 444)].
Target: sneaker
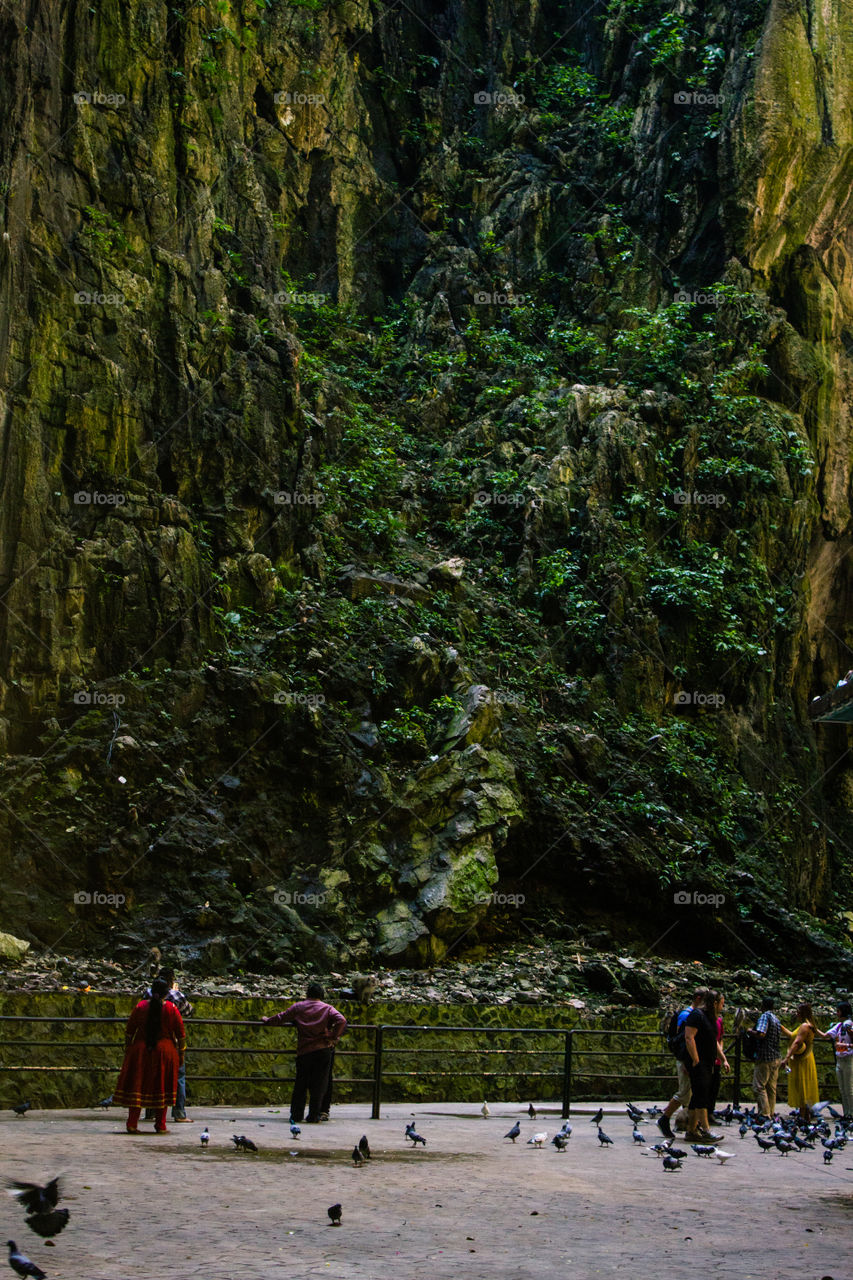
[(665, 1127), (707, 1136), (182, 1120), (323, 1117)]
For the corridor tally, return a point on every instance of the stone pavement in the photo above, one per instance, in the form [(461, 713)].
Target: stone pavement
[(470, 1204)]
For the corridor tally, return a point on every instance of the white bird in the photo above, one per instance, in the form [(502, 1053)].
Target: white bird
[(204, 1136), (538, 1140), (484, 1111), (723, 1156)]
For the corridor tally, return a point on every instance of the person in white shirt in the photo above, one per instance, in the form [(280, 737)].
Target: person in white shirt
[(841, 1035)]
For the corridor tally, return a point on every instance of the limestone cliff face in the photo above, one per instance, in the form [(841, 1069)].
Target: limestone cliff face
[(425, 471)]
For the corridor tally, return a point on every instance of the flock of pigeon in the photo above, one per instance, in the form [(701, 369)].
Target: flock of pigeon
[(784, 1136)]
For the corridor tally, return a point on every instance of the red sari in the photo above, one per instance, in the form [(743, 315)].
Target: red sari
[(149, 1077)]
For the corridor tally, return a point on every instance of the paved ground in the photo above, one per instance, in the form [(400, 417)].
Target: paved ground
[(470, 1204)]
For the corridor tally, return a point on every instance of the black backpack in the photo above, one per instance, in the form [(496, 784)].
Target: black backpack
[(675, 1039), (750, 1045)]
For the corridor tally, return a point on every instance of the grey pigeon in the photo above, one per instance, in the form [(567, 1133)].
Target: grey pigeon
[(514, 1132), (105, 1103), (334, 1212), (364, 1146), (598, 1117), (603, 1138), (357, 1157), (414, 1136), (34, 1198), (704, 1150), (20, 1262), (22, 1108), (294, 1130), (531, 1111), (243, 1143), (204, 1136), (559, 1141), (638, 1137), (671, 1164)]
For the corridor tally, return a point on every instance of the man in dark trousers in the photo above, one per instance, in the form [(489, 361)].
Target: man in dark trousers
[(319, 1027)]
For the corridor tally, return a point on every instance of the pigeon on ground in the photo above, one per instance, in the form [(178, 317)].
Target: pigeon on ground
[(671, 1164), (334, 1212), (675, 1151), (702, 1150), (357, 1157), (20, 1262), (635, 1113), (744, 1129), (638, 1137), (243, 1143), (22, 1108), (484, 1111), (538, 1140), (598, 1117), (413, 1136), (204, 1136), (723, 1156), (514, 1132), (783, 1147), (531, 1111), (566, 1129), (294, 1130), (559, 1141), (827, 1157), (764, 1143), (603, 1138), (104, 1104), (364, 1146), (654, 1111)]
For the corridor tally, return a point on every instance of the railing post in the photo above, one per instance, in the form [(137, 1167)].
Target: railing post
[(377, 1073), (567, 1076), (736, 1081)]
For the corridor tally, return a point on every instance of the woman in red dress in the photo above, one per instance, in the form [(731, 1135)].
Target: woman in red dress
[(154, 1044)]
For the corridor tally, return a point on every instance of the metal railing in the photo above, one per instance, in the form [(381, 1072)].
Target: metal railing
[(578, 1066)]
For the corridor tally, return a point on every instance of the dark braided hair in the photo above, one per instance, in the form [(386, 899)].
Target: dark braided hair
[(154, 1021)]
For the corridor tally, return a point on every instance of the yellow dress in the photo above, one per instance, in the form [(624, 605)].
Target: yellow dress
[(802, 1082)]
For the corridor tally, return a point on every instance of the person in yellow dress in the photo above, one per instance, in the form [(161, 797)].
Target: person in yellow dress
[(802, 1082)]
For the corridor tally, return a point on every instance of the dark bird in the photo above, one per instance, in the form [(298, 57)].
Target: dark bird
[(765, 1143), (726, 1116), (357, 1157), (22, 1108), (566, 1129), (334, 1212), (827, 1157), (783, 1147), (20, 1262), (204, 1136), (364, 1146), (598, 1117), (677, 1152), (559, 1141), (671, 1164), (603, 1138), (654, 1111), (743, 1130), (514, 1132), (243, 1143), (294, 1130), (34, 1198), (49, 1224), (531, 1111), (635, 1113), (701, 1150), (638, 1137), (414, 1136), (105, 1103)]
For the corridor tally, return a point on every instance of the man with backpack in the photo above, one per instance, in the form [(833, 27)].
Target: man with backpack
[(841, 1035), (677, 1046), (766, 1073)]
